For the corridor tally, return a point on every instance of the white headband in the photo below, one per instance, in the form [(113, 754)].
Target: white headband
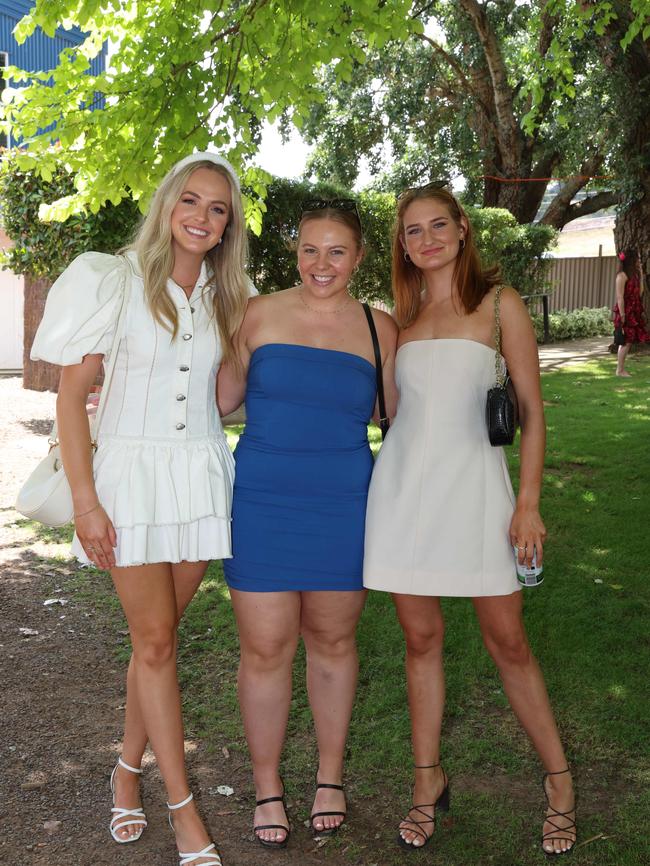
[(206, 156)]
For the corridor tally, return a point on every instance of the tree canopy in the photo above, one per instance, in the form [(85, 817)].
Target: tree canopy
[(465, 95), (185, 75)]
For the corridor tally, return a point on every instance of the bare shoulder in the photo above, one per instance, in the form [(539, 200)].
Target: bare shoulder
[(512, 305), (259, 305), (385, 323)]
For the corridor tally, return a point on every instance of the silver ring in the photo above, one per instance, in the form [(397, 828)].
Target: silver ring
[(521, 547), (92, 548)]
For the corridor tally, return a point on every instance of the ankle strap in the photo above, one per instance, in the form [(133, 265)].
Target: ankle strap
[(558, 772), (329, 785), (426, 766), (269, 800), (181, 804), (129, 767)]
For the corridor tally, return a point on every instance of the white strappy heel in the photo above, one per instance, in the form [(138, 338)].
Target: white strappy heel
[(133, 816), (210, 852)]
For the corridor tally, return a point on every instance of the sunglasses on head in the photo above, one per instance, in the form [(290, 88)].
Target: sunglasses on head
[(348, 205)]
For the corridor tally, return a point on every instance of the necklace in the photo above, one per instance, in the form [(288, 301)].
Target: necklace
[(324, 312)]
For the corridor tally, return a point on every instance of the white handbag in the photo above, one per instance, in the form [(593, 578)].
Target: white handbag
[(46, 496)]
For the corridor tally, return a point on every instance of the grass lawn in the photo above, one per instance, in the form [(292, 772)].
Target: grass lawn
[(588, 624)]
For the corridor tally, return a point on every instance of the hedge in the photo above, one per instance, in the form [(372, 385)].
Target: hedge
[(45, 249), (571, 325)]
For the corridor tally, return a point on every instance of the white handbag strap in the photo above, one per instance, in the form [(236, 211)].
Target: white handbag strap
[(127, 270)]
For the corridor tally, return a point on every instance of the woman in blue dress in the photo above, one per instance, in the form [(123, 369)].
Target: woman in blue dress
[(303, 467)]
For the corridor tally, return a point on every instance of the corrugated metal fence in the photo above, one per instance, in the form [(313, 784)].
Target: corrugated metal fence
[(582, 282)]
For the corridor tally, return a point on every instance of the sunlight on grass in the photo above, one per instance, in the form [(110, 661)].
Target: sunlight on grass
[(617, 691)]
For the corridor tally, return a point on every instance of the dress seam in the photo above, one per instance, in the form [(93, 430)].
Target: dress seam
[(427, 427), (151, 366)]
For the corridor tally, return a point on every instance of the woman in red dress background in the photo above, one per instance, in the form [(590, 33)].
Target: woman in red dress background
[(628, 310)]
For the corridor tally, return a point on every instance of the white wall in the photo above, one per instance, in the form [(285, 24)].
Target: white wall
[(11, 321)]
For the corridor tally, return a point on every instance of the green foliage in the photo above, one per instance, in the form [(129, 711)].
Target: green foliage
[(431, 104), (518, 249), (574, 324), (577, 22), (184, 76), (46, 249)]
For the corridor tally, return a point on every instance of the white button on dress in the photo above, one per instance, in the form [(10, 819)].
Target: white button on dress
[(163, 469)]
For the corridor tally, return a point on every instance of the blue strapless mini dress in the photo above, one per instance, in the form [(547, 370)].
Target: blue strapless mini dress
[(302, 471)]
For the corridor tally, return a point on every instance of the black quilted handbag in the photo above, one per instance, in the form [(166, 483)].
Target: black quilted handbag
[(501, 411)]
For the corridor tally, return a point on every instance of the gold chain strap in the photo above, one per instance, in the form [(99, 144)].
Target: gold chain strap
[(498, 360)]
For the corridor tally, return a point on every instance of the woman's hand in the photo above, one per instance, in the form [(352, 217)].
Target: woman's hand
[(527, 534), (97, 536)]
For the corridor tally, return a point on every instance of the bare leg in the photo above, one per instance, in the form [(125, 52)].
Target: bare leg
[(423, 626), (187, 577), (149, 602), (620, 360), (504, 635), (328, 626), (269, 624)]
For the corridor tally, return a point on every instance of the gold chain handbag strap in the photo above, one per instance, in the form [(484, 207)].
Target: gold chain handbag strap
[(498, 358)]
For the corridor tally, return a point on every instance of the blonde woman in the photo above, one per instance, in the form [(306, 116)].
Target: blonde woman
[(154, 505)]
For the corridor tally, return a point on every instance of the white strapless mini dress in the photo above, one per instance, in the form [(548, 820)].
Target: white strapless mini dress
[(441, 500)]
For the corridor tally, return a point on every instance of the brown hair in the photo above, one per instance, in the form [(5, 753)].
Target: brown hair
[(348, 218), (627, 262), (472, 280)]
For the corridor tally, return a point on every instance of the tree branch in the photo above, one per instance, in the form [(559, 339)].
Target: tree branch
[(590, 204), (509, 132)]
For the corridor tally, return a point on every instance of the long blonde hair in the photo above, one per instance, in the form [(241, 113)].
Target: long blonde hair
[(226, 262)]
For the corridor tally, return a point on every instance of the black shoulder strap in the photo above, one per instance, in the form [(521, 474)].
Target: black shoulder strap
[(383, 420)]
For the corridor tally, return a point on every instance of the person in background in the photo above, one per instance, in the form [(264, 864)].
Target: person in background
[(442, 518), (153, 507), (629, 319), (303, 466)]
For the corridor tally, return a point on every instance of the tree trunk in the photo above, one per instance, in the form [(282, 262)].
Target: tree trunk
[(37, 375)]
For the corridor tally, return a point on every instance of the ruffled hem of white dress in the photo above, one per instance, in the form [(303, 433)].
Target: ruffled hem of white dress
[(199, 541), (158, 483)]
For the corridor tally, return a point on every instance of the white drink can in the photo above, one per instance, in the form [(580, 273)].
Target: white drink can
[(529, 576)]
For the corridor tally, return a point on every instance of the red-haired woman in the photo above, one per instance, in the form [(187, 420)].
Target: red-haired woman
[(442, 518), (629, 321)]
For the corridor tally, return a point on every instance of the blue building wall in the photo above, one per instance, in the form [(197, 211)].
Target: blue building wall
[(40, 52)]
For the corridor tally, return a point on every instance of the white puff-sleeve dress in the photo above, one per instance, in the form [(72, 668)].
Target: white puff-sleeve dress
[(163, 469)]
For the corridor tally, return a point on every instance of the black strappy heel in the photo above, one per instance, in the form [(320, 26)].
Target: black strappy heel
[(559, 834), (326, 831), (442, 805), (272, 843)]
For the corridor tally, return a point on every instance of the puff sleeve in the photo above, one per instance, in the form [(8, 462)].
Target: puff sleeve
[(81, 311)]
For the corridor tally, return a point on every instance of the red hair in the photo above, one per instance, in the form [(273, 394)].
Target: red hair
[(472, 280)]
